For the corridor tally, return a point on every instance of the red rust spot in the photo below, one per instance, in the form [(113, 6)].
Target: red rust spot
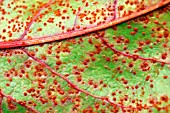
[(165, 76), (57, 12), (164, 98)]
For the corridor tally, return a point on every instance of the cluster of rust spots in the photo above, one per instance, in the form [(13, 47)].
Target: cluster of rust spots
[(41, 75), (14, 24), (96, 17)]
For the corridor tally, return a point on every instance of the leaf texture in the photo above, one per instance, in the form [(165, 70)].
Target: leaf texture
[(122, 69)]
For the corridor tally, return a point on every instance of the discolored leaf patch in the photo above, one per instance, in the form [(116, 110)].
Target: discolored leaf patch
[(124, 68)]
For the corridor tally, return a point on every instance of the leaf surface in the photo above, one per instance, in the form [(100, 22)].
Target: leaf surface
[(124, 68)]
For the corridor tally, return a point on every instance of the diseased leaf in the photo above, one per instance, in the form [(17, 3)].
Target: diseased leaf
[(28, 22), (124, 68)]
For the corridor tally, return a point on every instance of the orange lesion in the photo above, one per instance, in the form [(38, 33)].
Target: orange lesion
[(57, 12), (50, 20), (82, 15)]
